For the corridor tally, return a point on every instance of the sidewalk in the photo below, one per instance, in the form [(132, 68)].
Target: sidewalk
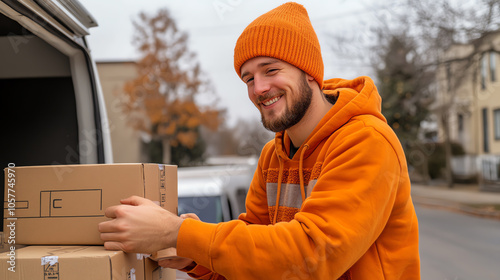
[(464, 198)]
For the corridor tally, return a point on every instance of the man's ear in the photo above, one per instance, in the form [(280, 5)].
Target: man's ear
[(311, 80)]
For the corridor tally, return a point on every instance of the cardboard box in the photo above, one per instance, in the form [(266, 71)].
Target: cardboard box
[(78, 263), (63, 204), (154, 272)]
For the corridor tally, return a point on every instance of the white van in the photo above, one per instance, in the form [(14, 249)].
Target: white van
[(214, 193), (52, 108)]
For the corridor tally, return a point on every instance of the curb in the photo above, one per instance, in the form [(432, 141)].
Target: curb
[(456, 206), (480, 212)]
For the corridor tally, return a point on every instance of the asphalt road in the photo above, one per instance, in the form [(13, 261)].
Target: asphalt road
[(457, 246)]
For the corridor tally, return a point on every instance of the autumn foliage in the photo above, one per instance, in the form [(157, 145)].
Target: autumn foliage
[(162, 100)]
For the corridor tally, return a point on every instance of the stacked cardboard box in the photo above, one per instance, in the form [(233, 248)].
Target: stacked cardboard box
[(62, 205), (78, 263)]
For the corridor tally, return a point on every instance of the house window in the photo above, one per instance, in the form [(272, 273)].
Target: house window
[(496, 120), (460, 119), (486, 143), (460, 123), (448, 76), (493, 66), (483, 71)]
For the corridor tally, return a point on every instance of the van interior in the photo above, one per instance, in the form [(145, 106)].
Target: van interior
[(38, 106)]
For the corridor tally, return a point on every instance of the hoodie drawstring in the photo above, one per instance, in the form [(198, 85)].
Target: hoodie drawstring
[(280, 178), (301, 173)]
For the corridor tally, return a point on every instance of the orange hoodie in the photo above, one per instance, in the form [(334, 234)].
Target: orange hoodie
[(339, 209)]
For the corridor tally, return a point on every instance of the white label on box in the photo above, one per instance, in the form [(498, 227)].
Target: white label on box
[(50, 260), (50, 268), (143, 256), (132, 274)]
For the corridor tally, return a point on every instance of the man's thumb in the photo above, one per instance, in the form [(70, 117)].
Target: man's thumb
[(190, 215)]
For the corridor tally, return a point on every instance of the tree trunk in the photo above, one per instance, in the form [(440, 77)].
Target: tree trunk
[(167, 152), (424, 168), (447, 149)]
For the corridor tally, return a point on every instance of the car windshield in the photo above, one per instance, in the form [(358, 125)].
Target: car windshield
[(208, 208)]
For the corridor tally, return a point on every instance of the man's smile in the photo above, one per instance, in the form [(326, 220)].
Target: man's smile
[(268, 101), (272, 101)]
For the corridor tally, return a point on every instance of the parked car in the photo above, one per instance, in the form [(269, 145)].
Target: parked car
[(215, 193)]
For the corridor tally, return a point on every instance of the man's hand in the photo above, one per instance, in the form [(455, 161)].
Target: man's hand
[(139, 225), (176, 263)]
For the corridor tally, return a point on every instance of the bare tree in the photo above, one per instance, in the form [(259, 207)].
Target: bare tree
[(440, 25), (405, 90), (245, 138), (431, 28)]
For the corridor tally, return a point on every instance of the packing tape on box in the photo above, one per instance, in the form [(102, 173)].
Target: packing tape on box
[(51, 260), (163, 190), (132, 274), (143, 256)]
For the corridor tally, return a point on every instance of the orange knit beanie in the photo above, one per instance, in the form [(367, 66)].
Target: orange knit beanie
[(285, 33)]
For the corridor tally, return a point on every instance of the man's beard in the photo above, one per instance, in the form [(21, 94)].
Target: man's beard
[(293, 115)]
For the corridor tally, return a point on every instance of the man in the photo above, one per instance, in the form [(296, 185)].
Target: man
[(330, 198)]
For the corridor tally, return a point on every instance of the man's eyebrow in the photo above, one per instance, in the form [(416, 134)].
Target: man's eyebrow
[(262, 64), (244, 75)]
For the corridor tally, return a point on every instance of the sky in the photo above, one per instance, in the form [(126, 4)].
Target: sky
[(213, 26)]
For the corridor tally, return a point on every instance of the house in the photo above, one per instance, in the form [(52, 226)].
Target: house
[(126, 142), (468, 99)]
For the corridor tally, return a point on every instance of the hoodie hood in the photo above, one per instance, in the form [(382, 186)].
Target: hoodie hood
[(354, 97)]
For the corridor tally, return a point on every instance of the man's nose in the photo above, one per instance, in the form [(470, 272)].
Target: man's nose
[(261, 86)]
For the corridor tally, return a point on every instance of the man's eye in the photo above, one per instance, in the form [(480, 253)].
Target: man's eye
[(270, 71), (249, 80)]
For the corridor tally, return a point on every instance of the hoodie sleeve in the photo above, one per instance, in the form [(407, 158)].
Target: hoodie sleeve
[(348, 209), (201, 272)]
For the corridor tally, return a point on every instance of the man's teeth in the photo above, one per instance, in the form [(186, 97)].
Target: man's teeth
[(269, 102)]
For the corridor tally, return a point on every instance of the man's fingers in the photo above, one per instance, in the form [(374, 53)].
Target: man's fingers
[(168, 263), (111, 212), (139, 225), (109, 236), (111, 226), (134, 200), (114, 246), (175, 263), (116, 210), (190, 215), (105, 227), (117, 242)]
